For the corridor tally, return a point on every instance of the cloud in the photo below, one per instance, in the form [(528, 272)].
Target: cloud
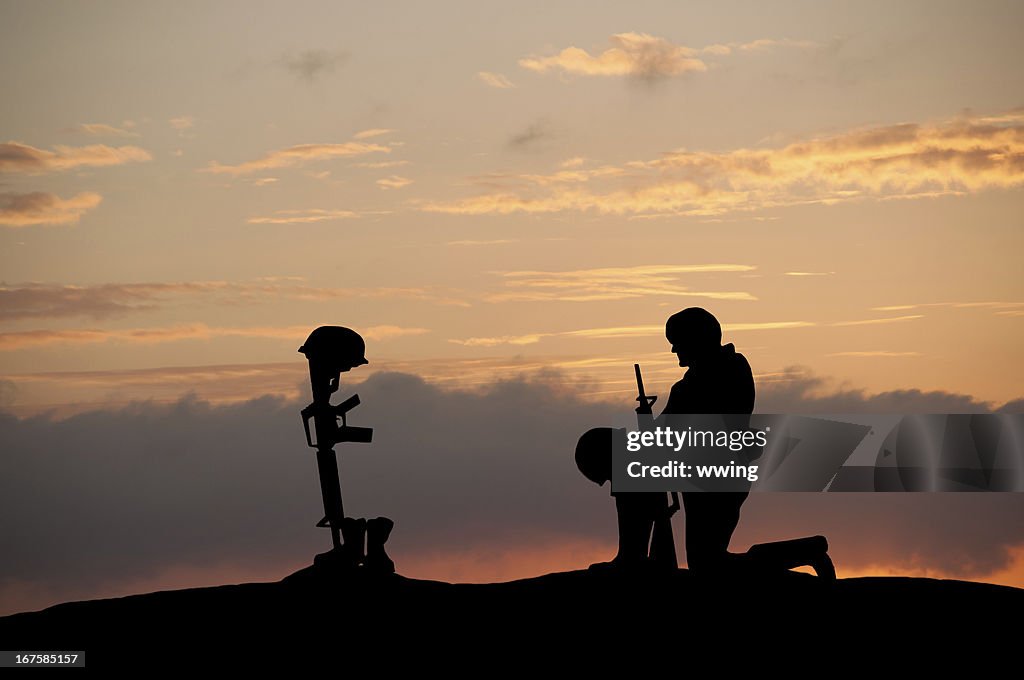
[(109, 300), (303, 216), (296, 155), (385, 332), (40, 301), (907, 160), (381, 164), (8, 393), (759, 45), (25, 159), (153, 335), (633, 54), (182, 122), (372, 132), (394, 182), (999, 305), (156, 490), (612, 283), (535, 134), (871, 322), (809, 273), (639, 331), (73, 392), (489, 242), (495, 80), (1015, 406), (799, 390), (875, 353), (24, 210), (309, 65), (103, 130)]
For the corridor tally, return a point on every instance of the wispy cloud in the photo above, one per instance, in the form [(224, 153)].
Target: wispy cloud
[(36, 208), (36, 338), (22, 158), (37, 301), (309, 65), (613, 283), (381, 164), (393, 182), (48, 301), (878, 353), (182, 122), (908, 160), (372, 132), (303, 216), (870, 322), (489, 242), (535, 133), (647, 330), (632, 54), (297, 155), (495, 80), (809, 273), (103, 130), (992, 304), (760, 45)]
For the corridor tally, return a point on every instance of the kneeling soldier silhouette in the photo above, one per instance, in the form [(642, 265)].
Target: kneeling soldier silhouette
[(718, 381)]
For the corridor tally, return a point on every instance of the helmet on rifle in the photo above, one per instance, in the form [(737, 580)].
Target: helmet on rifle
[(335, 346)]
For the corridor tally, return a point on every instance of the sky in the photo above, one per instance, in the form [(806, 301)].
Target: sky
[(500, 194)]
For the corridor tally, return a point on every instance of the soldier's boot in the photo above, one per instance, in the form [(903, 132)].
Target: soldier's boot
[(354, 533), (377, 532), (799, 552)]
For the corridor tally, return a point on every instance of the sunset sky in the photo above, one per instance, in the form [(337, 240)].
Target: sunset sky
[(495, 191)]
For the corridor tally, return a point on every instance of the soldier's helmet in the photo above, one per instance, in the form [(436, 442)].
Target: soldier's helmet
[(695, 324), (335, 346)]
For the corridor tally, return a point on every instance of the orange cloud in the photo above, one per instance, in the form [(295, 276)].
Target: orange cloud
[(372, 132), (103, 130), (394, 182), (297, 155), (756, 46), (303, 216), (22, 158), (487, 242), (869, 322), (612, 283), (958, 305), (874, 353), (23, 210), (30, 339), (908, 160), (646, 330), (182, 122), (633, 54), (495, 80), (118, 299), (381, 164)]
